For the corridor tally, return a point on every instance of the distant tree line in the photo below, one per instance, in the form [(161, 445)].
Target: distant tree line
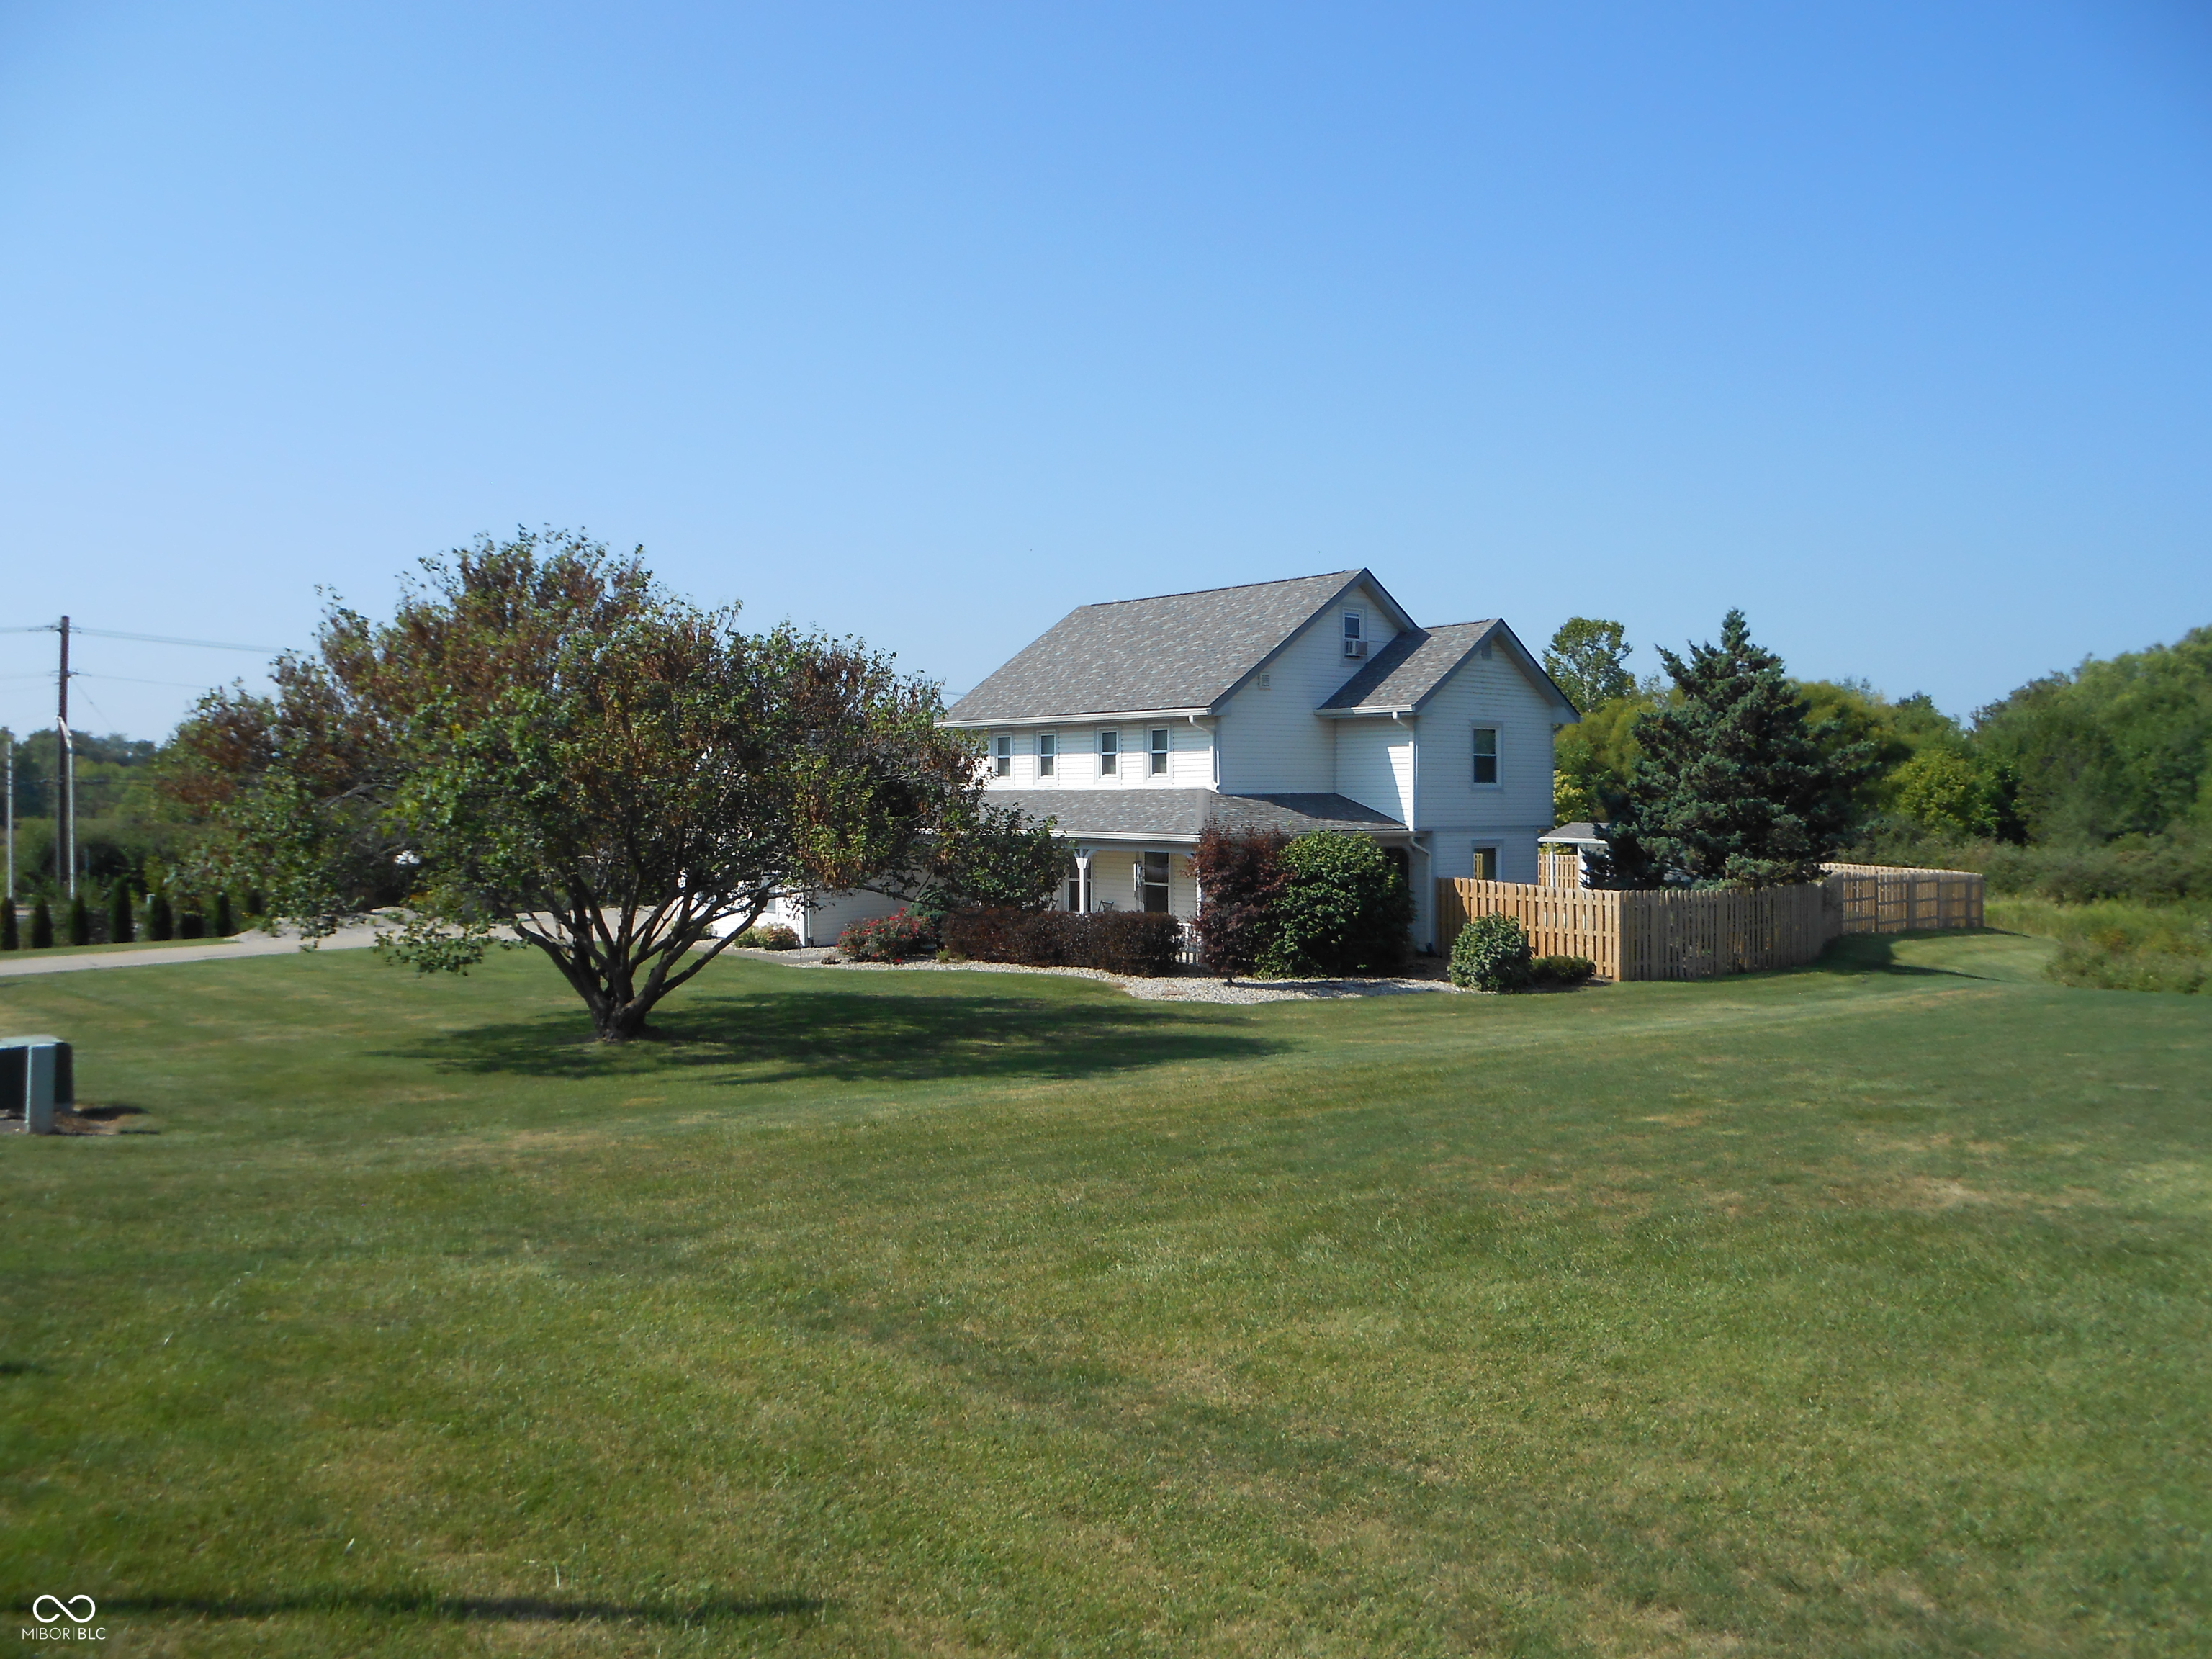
[(2086, 784)]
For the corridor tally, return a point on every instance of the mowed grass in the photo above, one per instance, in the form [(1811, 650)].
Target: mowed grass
[(1858, 1310)]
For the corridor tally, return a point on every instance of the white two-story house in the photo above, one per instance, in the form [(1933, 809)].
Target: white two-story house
[(1315, 703)]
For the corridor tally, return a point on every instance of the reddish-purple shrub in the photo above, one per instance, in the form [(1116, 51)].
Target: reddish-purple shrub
[(893, 938)]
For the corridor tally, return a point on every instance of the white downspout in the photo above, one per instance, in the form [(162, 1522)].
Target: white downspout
[(1424, 895)]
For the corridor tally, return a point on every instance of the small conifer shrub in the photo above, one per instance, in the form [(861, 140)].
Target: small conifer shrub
[(42, 926), (119, 928), (10, 939), (80, 921), (161, 920)]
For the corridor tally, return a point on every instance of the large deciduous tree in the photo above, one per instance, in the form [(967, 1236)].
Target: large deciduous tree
[(1588, 659), (1733, 783), (543, 740)]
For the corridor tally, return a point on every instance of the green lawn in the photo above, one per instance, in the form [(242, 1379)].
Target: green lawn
[(1858, 1310)]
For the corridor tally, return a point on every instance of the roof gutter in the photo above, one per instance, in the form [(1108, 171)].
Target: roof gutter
[(1093, 718)]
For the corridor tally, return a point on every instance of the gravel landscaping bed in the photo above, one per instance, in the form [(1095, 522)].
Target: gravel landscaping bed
[(1189, 986)]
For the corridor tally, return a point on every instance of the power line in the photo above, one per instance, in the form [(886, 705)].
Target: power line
[(151, 639)]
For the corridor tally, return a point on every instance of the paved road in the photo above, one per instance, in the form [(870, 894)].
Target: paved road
[(217, 949)]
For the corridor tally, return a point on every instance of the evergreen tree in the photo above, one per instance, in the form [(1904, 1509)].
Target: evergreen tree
[(225, 923), (10, 938), (1733, 784), (1587, 660), (160, 923), (191, 920), (80, 921), (119, 930), (42, 926)]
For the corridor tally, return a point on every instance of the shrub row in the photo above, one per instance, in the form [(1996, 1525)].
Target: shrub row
[(1116, 941), (2175, 865)]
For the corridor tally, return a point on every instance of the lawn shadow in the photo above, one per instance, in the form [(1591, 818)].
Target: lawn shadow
[(1876, 953), (785, 1035), (421, 1604)]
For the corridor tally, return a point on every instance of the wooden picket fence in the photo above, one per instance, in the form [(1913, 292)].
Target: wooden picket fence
[(1701, 935), (1558, 869), (1879, 898)]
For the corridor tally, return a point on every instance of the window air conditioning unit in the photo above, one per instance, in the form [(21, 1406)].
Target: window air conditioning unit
[(1355, 648)]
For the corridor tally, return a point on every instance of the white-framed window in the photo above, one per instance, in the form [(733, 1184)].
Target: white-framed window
[(1047, 752), (1355, 634), (1485, 755), (1002, 758), (1159, 750), (1153, 884), (1110, 753)]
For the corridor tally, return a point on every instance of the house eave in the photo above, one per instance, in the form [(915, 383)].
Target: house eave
[(1369, 711), (1092, 718)]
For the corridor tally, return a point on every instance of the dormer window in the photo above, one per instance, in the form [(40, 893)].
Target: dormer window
[(1355, 634)]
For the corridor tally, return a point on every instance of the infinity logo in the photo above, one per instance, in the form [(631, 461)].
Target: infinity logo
[(65, 1613)]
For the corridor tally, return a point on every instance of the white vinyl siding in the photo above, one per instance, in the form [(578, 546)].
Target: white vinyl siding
[(1272, 741)]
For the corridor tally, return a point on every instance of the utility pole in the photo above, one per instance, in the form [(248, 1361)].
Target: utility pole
[(8, 738), (65, 843)]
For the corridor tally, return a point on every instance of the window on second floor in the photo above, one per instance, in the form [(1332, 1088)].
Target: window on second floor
[(1002, 758), (1159, 750), (1110, 753), (1047, 752), (1486, 754)]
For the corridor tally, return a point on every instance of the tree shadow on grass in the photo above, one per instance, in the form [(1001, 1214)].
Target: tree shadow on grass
[(779, 1037), (1876, 953), (422, 1604)]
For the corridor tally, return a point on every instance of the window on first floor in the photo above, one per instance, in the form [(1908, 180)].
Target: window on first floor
[(1486, 754), (1486, 863), (1047, 752), (1152, 881), (1110, 753), (1159, 748), (1002, 758)]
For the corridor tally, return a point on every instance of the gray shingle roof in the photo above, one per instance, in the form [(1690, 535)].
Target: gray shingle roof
[(1179, 651), (1411, 666), (1182, 814)]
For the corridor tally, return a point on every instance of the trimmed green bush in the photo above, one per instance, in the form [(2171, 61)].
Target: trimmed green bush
[(42, 926), (226, 924), (191, 920), (1491, 954), (161, 920), (80, 921), (10, 939), (1561, 970), (1343, 909), (119, 928), (769, 936)]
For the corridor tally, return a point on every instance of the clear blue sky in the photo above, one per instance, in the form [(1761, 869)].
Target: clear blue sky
[(1890, 323)]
